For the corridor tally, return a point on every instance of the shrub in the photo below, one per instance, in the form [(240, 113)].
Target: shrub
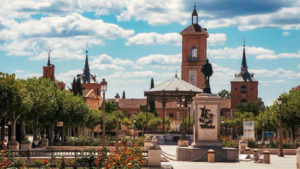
[(252, 143)]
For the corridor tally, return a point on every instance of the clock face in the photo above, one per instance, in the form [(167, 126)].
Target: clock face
[(193, 77)]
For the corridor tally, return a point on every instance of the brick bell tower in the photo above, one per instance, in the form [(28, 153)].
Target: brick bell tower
[(48, 71), (194, 39), (244, 88)]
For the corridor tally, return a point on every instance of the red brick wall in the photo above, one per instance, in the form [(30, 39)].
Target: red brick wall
[(236, 96), (48, 72), (95, 86), (190, 40), (93, 103)]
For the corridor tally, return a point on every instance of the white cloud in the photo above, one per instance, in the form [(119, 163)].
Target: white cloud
[(217, 39), (237, 53), (171, 39), (159, 59), (257, 52), (285, 33), (285, 18), (299, 66), (155, 12), (154, 39), (106, 62), (280, 72), (66, 35)]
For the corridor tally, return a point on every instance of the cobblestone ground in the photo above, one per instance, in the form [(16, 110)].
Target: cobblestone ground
[(287, 162)]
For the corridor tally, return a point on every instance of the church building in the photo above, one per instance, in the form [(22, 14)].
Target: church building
[(49, 72), (244, 88), (91, 89)]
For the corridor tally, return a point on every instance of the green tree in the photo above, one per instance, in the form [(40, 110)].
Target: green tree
[(94, 119), (225, 94), (10, 101), (123, 95), (152, 102), (43, 97)]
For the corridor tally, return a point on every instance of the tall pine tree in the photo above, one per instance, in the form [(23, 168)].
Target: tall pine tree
[(152, 103), (74, 87), (79, 87), (123, 96)]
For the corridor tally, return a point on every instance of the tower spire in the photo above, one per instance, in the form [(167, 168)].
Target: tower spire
[(195, 14), (86, 71), (48, 64), (244, 67)]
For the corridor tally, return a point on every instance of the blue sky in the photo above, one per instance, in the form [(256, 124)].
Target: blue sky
[(130, 41)]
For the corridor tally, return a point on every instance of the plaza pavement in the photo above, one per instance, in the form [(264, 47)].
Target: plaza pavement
[(287, 162)]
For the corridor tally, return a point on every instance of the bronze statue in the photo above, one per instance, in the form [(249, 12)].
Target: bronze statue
[(207, 71)]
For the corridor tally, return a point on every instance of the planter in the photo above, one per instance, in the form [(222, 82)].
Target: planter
[(183, 143)]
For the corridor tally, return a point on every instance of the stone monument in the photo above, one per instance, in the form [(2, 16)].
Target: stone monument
[(206, 132)]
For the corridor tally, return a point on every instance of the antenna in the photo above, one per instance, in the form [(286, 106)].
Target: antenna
[(244, 40), (175, 73)]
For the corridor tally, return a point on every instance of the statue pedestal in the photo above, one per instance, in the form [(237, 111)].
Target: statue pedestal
[(206, 132), (207, 121)]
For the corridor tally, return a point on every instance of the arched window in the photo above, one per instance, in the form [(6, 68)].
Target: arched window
[(243, 89), (193, 54), (243, 102)]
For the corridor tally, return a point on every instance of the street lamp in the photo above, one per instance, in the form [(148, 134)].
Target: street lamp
[(181, 106), (117, 98), (189, 111), (103, 89), (279, 100)]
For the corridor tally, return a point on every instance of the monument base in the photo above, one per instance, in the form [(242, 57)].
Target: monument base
[(208, 144), (200, 154)]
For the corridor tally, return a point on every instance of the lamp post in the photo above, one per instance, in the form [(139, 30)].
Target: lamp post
[(181, 107), (189, 111), (263, 133), (117, 99), (103, 89), (279, 100), (134, 121)]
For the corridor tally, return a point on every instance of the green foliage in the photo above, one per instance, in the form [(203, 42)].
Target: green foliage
[(252, 143), (123, 95), (226, 142), (76, 87), (225, 94), (94, 118)]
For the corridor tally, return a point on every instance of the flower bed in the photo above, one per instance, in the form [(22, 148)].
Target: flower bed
[(129, 156)]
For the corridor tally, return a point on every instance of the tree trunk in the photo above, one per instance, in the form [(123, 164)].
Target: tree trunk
[(51, 134), (13, 130), (23, 130), (2, 130)]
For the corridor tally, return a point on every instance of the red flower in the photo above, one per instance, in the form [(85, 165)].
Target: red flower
[(45, 162), (123, 162)]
